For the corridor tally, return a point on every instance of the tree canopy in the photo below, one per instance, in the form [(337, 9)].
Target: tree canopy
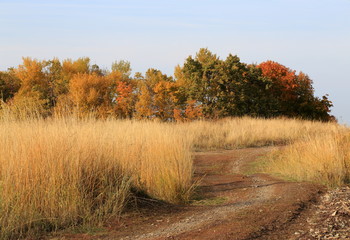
[(204, 86)]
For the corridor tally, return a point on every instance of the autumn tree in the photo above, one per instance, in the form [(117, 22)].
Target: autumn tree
[(123, 89), (69, 68), (283, 86), (144, 105), (124, 100), (34, 88), (294, 93), (165, 99), (191, 111), (123, 96), (156, 98), (81, 65), (205, 86), (9, 85), (91, 92), (32, 78)]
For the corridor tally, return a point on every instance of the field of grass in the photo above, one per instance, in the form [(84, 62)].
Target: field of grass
[(324, 159), (62, 172), (233, 133)]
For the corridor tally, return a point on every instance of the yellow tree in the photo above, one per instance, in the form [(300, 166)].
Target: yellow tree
[(91, 92), (33, 80), (156, 98), (144, 107), (69, 68), (164, 99), (81, 65), (34, 94)]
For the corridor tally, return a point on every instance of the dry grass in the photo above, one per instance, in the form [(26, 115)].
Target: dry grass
[(249, 132), (324, 158), (65, 171)]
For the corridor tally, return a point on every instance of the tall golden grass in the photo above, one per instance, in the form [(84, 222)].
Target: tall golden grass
[(324, 159), (251, 132), (64, 171)]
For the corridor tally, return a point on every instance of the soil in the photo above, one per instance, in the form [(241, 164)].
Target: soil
[(231, 204)]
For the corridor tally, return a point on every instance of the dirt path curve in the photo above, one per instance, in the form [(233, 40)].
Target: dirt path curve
[(230, 204)]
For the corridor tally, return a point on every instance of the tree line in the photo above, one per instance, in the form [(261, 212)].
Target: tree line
[(205, 86)]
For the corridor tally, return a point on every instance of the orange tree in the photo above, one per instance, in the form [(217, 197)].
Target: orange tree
[(294, 93), (91, 92)]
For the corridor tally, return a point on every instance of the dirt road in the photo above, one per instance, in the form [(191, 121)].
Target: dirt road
[(230, 205)]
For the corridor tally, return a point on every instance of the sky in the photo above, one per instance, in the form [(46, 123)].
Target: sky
[(312, 36)]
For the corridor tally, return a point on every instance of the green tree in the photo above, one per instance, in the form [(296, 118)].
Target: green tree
[(199, 80), (122, 66), (53, 73)]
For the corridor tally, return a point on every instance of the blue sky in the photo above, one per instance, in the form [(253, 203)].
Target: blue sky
[(312, 36)]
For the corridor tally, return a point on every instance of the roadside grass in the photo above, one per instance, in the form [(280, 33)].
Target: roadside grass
[(264, 164), (322, 159), (231, 133)]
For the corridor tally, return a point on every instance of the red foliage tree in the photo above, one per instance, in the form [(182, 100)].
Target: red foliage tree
[(124, 99)]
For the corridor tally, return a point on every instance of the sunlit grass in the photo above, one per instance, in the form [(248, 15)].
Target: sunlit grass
[(324, 159), (233, 133), (65, 171)]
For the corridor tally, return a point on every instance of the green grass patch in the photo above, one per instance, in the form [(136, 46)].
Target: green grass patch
[(257, 166), (209, 201)]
